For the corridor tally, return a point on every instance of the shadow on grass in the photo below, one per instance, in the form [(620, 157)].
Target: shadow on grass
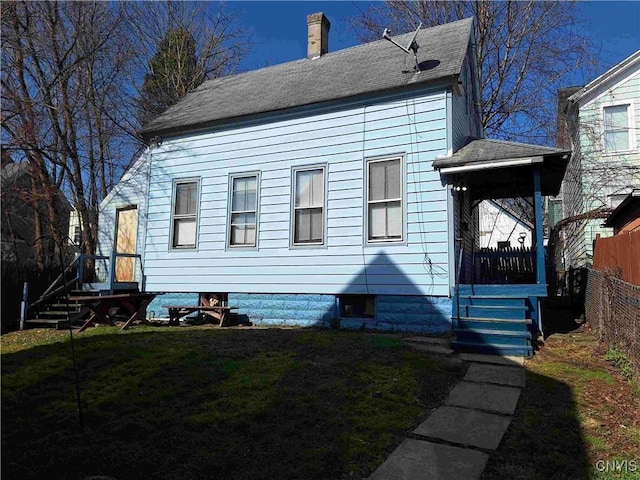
[(544, 440), (233, 404)]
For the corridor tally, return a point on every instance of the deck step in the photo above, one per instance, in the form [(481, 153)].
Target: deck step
[(493, 300), (64, 305), (514, 325), (44, 322), (499, 337), (55, 313), (495, 311)]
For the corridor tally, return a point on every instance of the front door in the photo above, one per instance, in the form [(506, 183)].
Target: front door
[(126, 232)]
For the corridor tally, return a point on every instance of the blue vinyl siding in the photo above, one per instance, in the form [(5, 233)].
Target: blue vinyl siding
[(131, 190), (414, 128)]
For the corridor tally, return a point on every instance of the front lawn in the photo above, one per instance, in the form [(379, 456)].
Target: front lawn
[(191, 403)]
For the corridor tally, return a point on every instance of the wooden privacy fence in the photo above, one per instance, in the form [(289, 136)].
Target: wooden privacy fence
[(612, 309), (620, 255), (504, 265)]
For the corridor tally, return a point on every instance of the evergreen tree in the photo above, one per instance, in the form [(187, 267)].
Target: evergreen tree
[(173, 72)]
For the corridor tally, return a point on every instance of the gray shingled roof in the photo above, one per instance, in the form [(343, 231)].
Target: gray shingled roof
[(373, 67), (495, 182), (485, 150)]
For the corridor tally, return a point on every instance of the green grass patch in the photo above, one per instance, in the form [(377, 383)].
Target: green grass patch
[(620, 360), (206, 403), (563, 370)]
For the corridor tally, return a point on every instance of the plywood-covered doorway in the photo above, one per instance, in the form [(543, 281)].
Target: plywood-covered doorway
[(126, 232)]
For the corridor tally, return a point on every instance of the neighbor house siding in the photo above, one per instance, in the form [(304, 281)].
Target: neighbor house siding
[(600, 173), (342, 140)]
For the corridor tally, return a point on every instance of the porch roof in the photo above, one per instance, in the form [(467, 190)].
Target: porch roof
[(498, 168)]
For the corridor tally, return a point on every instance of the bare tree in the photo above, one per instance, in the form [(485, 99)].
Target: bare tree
[(526, 50), (70, 76), (62, 101)]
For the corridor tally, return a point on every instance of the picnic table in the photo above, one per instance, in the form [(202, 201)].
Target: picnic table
[(219, 312), (99, 307)]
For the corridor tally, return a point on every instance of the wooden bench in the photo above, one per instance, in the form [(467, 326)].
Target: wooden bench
[(220, 313)]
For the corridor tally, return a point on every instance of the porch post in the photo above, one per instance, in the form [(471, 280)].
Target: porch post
[(541, 276)]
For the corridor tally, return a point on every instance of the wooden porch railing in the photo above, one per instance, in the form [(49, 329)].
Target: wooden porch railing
[(504, 265), (90, 270)]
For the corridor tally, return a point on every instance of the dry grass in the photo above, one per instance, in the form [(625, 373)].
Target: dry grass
[(576, 413)]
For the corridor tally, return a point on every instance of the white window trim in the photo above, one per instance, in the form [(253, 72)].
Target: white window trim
[(292, 222), (174, 217), (233, 176), (401, 199), (630, 126)]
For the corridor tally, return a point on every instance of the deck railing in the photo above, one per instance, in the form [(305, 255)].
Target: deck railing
[(101, 270), (504, 265)]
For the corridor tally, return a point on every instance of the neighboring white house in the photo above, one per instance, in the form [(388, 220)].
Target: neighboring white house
[(75, 229), (604, 126), (501, 227)]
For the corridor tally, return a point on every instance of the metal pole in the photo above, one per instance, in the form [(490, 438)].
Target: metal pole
[(24, 304)]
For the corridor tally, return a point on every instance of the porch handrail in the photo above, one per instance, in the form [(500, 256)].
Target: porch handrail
[(54, 288), (112, 268), (457, 286), (111, 276)]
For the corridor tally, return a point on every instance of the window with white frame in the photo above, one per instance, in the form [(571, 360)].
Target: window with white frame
[(308, 206), (616, 128), (185, 214), (384, 200), (243, 213)]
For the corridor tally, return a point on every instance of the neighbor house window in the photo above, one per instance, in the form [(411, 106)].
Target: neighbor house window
[(244, 208), (616, 128), (185, 214), (77, 235), (384, 200), (308, 206)]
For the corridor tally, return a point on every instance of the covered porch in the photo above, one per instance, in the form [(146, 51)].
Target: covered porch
[(499, 282)]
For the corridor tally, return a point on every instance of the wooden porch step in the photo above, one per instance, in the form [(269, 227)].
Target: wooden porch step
[(492, 337), (519, 325), (56, 313), (46, 322)]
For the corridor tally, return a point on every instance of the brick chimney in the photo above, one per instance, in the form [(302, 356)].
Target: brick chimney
[(318, 36)]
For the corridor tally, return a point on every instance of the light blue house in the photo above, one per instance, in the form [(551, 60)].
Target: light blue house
[(306, 193)]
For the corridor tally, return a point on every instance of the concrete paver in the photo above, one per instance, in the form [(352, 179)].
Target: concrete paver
[(494, 359), (417, 460), (465, 427), (498, 374), (493, 398)]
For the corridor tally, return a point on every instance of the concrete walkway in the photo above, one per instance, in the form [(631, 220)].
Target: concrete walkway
[(455, 442)]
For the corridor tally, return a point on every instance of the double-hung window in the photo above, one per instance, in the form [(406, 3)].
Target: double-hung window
[(243, 212), (616, 128), (308, 206), (384, 200), (185, 214)]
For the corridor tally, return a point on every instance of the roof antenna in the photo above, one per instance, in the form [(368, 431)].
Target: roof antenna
[(412, 46)]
